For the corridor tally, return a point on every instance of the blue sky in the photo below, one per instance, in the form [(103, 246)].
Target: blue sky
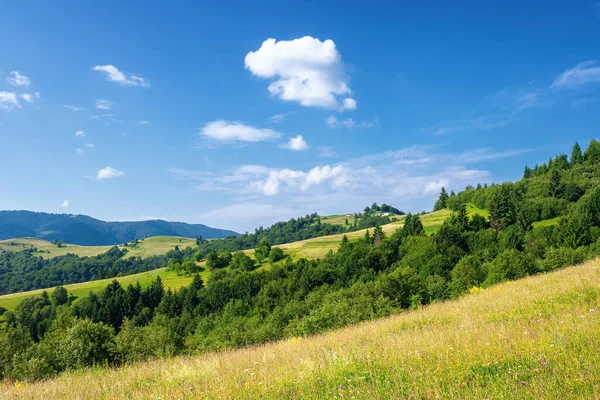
[(245, 113)]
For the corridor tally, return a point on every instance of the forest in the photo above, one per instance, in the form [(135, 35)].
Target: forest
[(367, 278)]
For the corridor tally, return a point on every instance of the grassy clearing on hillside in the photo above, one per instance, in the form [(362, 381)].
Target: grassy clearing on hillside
[(145, 248), (170, 280), (533, 338)]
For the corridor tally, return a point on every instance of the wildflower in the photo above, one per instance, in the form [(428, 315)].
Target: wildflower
[(340, 386)]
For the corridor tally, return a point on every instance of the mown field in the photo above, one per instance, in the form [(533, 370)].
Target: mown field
[(533, 338)]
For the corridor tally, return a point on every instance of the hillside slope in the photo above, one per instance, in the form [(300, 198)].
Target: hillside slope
[(84, 230), (533, 338)]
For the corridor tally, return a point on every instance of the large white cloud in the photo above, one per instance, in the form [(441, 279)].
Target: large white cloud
[(336, 177), (16, 79), (303, 70), (579, 75), (114, 75), (108, 173), (231, 131)]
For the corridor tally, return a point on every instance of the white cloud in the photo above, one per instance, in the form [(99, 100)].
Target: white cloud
[(108, 173), (103, 104), (292, 180), (27, 97), (65, 204), (296, 143), (580, 75), (16, 79), (9, 100), (303, 70), (143, 122), (434, 187), (73, 108), (277, 118), (114, 75), (89, 146), (479, 155), (78, 151), (231, 131), (327, 152), (350, 123), (80, 133)]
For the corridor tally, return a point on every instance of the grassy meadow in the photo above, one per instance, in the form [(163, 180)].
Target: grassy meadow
[(533, 338), (145, 248), (169, 278)]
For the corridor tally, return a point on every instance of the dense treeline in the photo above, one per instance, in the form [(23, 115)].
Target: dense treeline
[(365, 279), (24, 270), (307, 227)]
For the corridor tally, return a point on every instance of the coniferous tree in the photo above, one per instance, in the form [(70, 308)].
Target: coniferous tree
[(555, 187), (576, 155), (440, 204), (502, 208), (592, 153)]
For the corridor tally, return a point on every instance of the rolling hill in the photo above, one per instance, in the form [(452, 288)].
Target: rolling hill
[(532, 338), (84, 230)]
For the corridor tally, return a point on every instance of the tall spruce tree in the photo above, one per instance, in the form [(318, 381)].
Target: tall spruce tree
[(576, 155), (442, 201)]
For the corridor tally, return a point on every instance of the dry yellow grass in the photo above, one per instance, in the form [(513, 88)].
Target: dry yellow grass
[(534, 338)]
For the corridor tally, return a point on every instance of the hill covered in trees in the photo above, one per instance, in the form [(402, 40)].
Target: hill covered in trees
[(374, 276), (88, 231)]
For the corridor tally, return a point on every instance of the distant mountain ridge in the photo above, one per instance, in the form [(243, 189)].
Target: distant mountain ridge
[(88, 231)]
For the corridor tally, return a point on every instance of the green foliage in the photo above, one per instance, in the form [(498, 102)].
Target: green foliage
[(509, 265), (241, 261), (576, 156), (276, 254), (59, 296), (467, 273), (502, 207), (262, 250), (412, 225), (440, 204), (592, 153)]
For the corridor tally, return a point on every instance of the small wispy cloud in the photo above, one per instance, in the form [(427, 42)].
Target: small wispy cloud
[(65, 204), (79, 133), (277, 118), (334, 122), (114, 75), (16, 79), (72, 108), (89, 146), (143, 122), (108, 173), (102, 104), (580, 75)]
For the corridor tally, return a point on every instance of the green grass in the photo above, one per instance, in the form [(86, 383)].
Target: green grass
[(546, 222), (170, 280), (536, 338), (145, 248)]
